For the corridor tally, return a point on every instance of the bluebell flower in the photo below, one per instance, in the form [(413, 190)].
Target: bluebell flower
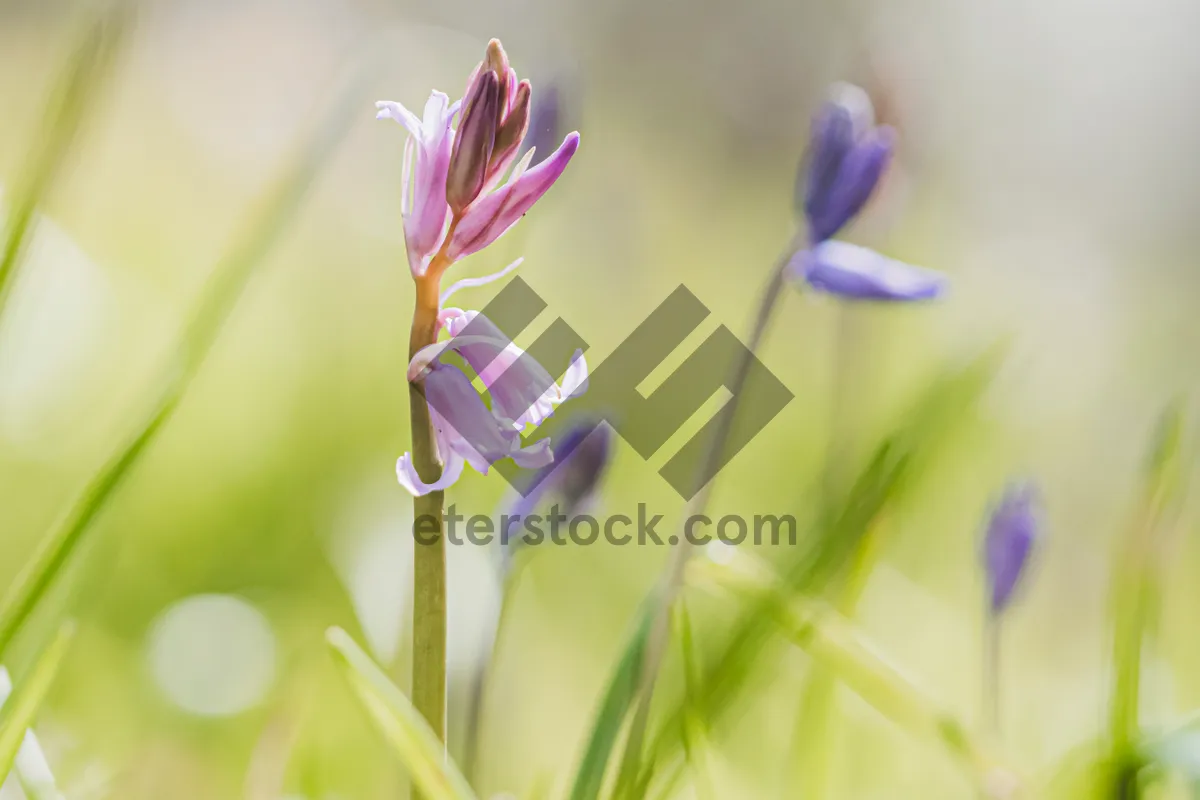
[(845, 162), (847, 157), (1011, 533)]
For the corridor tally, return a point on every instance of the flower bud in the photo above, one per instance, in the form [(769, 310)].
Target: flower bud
[(511, 131), (1011, 533), (473, 143)]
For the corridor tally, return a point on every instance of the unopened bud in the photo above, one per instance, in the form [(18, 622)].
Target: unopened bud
[(473, 144)]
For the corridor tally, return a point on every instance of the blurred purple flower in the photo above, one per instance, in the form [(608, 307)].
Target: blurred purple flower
[(466, 432), (1012, 530), (846, 159), (581, 459), (423, 181), (859, 273), (545, 124)]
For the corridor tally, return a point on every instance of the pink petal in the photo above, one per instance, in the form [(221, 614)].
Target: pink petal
[(486, 219)]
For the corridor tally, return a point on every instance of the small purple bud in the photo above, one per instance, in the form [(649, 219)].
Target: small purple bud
[(1011, 533), (474, 141), (846, 159)]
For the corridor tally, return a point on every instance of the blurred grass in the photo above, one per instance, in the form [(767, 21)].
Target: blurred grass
[(229, 277), (80, 88), (28, 695), (417, 746)]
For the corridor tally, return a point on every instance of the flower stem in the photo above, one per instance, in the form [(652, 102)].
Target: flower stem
[(673, 577), (429, 551)]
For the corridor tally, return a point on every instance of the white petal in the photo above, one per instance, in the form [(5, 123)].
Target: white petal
[(470, 283), (391, 110), (536, 455), (406, 473), (575, 382)]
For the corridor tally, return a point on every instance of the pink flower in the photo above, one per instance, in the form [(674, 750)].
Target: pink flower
[(491, 215), (423, 183)]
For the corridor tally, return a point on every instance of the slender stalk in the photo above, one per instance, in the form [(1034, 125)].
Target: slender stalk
[(817, 728), (429, 555), (656, 644), (991, 673)]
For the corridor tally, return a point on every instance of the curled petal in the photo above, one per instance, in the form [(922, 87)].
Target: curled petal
[(406, 473), (470, 283), (858, 273), (493, 214)]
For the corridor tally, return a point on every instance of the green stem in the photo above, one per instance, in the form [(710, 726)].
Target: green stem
[(429, 553), (817, 728), (656, 645)]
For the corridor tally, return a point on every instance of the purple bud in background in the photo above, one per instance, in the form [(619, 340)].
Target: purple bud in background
[(545, 124), (846, 159), (1008, 542), (581, 459)]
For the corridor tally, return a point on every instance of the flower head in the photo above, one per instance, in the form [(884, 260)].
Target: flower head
[(423, 183), (458, 177), (1011, 533), (848, 155)]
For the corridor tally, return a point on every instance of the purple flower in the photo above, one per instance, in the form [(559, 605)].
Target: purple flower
[(1011, 533), (466, 432), (859, 273), (846, 159), (522, 391), (423, 182), (545, 124), (581, 459)]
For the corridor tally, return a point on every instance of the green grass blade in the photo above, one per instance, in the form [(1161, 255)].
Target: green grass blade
[(1134, 591), (86, 71), (28, 698), (833, 642), (834, 536), (31, 766), (619, 696), (219, 297), (422, 754)]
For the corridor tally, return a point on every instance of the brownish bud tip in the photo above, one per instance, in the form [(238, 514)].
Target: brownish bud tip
[(474, 143), (496, 59)]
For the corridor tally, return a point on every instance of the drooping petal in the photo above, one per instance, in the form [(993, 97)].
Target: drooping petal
[(859, 273), (406, 473), (493, 214)]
